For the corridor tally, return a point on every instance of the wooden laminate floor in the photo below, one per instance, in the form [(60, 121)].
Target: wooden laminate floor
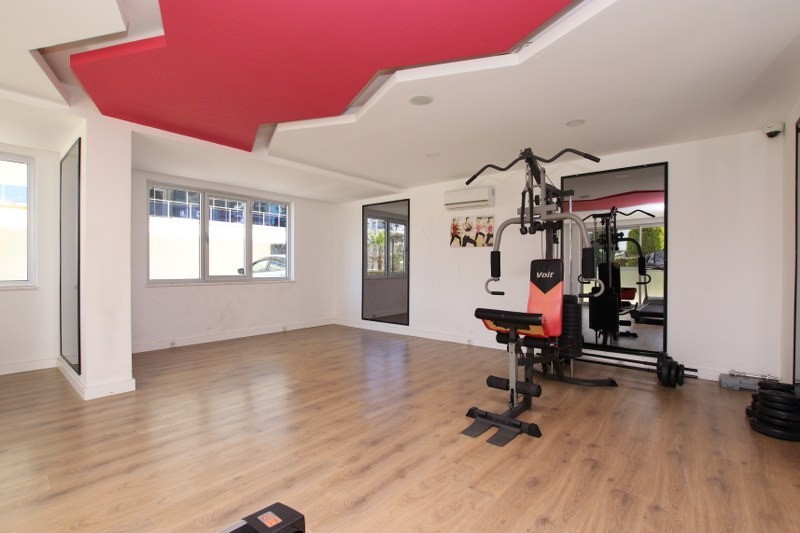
[(360, 431)]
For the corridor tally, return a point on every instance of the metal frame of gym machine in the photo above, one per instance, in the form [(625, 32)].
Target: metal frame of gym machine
[(542, 213), (538, 213)]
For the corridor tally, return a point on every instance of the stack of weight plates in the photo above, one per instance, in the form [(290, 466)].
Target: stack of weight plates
[(775, 411)]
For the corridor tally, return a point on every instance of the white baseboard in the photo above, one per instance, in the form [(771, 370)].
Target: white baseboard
[(415, 332), (28, 366), (92, 392), (162, 344), (711, 374)]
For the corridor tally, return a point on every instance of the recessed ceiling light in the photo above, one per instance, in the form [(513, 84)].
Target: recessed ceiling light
[(576, 122), (420, 99), (433, 154)]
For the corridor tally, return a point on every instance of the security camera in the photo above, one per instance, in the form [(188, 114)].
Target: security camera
[(773, 130)]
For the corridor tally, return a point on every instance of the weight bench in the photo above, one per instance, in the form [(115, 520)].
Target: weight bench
[(543, 323), (541, 328)]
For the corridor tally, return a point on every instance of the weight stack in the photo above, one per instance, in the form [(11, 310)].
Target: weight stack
[(775, 411), (570, 342)]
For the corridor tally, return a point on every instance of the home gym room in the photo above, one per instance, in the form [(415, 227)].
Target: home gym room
[(242, 268)]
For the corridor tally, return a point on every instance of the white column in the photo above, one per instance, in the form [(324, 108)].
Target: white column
[(105, 261)]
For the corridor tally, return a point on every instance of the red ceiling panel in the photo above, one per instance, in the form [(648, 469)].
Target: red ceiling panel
[(223, 68)]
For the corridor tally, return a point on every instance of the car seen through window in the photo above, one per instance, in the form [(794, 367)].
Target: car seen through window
[(273, 266)]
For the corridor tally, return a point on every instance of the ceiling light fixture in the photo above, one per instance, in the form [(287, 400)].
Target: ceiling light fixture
[(576, 122), (420, 99), (433, 154)]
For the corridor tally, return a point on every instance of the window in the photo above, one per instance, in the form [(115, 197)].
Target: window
[(397, 248), (269, 239), (386, 252), (244, 238), (227, 238), (174, 229), (16, 209), (376, 246)]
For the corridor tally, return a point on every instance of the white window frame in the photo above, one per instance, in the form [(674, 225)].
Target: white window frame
[(248, 199), (387, 256), (31, 281)]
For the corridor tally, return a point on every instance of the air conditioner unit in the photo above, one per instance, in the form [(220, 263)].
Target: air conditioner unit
[(469, 198)]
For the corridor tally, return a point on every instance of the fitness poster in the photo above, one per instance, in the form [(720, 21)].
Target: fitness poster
[(471, 231)]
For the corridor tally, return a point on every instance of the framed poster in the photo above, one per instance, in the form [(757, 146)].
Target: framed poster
[(471, 231)]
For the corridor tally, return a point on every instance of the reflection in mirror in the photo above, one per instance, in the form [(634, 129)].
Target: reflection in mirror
[(796, 266), (385, 262), (70, 294), (625, 212)]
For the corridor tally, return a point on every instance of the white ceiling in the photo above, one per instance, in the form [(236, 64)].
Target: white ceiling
[(640, 73)]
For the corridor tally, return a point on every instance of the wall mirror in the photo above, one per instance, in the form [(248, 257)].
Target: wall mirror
[(625, 212), (797, 258), (70, 259), (384, 295)]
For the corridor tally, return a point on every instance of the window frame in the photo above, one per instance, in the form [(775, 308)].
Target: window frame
[(31, 278), (387, 254), (249, 200)]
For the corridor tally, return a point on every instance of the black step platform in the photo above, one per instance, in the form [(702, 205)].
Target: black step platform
[(507, 427), (277, 518)]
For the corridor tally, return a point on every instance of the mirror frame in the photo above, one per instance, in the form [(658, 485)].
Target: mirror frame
[(70, 169), (366, 209), (621, 349)]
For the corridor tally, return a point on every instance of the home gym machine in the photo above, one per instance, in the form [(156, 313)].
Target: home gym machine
[(550, 330), (606, 310)]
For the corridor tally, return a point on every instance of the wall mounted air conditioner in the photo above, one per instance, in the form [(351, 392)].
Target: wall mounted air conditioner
[(469, 198)]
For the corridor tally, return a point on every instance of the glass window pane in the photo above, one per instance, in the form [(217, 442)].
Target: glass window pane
[(174, 245), (269, 243), (226, 237), (376, 246), (13, 221), (397, 248)]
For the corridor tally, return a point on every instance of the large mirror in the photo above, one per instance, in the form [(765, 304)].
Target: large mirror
[(625, 212), (70, 259), (385, 262), (797, 251)]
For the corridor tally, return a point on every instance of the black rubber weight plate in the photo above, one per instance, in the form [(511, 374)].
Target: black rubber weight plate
[(779, 406), (777, 396), (774, 385), (770, 431), (777, 423), (776, 413), (749, 411)]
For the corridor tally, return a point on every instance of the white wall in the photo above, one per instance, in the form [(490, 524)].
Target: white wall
[(183, 314), (29, 332), (726, 230)]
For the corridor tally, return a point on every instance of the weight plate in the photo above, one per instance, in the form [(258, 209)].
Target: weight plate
[(680, 374), (754, 396), (777, 396), (774, 432), (670, 374), (777, 413), (749, 411), (673, 374), (663, 373), (777, 422), (779, 406), (774, 385)]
